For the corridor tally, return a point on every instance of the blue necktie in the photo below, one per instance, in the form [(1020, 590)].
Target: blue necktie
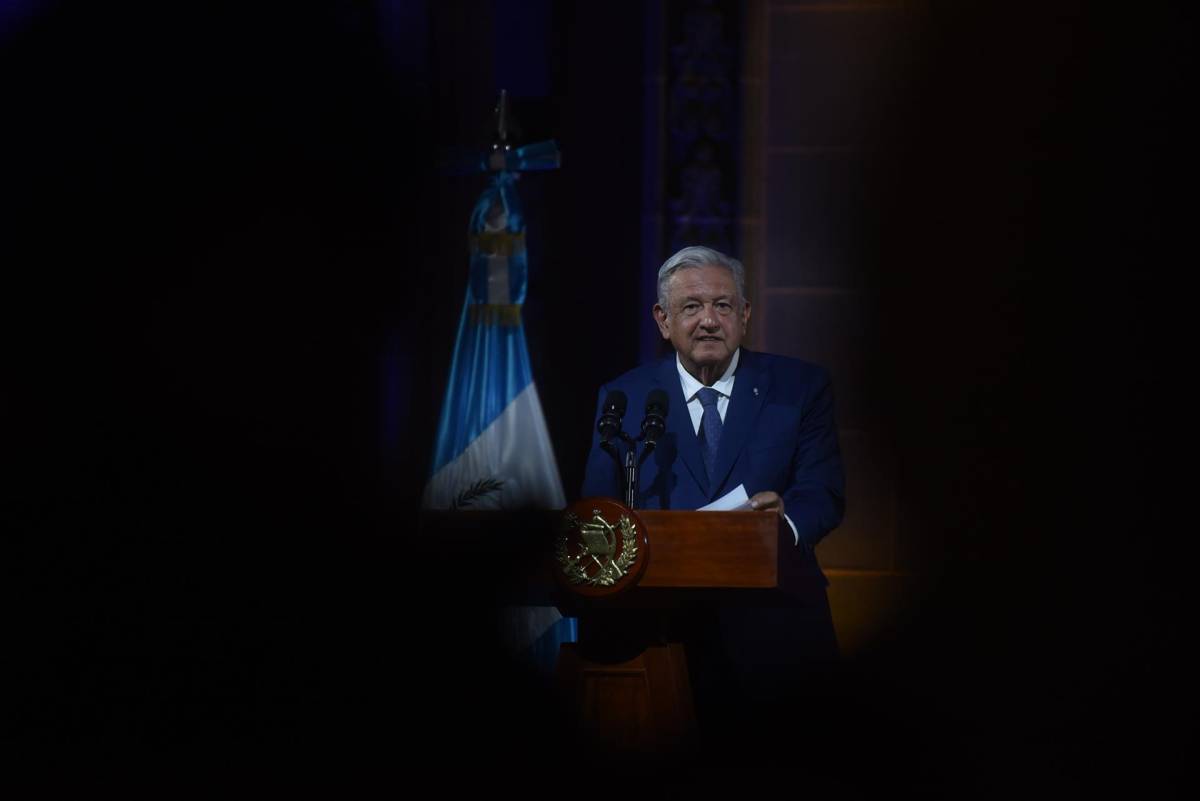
[(710, 428)]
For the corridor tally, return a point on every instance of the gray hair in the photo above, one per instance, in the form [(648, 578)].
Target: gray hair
[(699, 256)]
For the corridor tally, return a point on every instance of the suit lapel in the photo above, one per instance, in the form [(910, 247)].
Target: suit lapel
[(679, 423), (749, 392)]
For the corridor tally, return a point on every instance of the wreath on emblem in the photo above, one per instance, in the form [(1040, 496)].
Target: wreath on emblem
[(599, 539)]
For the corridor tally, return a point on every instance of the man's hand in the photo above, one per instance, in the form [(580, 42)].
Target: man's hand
[(767, 502)]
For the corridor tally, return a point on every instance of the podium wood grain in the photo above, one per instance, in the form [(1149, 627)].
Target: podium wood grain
[(735, 550)]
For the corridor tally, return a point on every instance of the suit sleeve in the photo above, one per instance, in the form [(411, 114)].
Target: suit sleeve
[(601, 476), (815, 497)]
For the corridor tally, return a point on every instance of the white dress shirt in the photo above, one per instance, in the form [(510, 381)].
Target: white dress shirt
[(692, 387), (724, 386)]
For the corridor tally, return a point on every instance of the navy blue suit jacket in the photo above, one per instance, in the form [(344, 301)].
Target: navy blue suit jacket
[(779, 434)]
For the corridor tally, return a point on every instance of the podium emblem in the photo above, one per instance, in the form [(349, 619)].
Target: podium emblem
[(601, 547)]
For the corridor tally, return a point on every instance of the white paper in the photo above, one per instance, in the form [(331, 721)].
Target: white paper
[(735, 500)]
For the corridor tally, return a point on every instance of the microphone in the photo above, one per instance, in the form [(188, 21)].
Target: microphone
[(654, 424), (610, 414)]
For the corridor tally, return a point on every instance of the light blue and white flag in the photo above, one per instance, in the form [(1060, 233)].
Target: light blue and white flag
[(493, 450)]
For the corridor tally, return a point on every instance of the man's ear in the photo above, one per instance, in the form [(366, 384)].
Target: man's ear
[(745, 315), (660, 317)]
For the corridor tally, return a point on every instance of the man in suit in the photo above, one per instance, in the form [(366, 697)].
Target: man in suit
[(737, 418)]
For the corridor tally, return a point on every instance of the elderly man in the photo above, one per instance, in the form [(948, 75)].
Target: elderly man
[(737, 418)]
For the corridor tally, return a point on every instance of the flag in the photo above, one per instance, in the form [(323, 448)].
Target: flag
[(492, 449)]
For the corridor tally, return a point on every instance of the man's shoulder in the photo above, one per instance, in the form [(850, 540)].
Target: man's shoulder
[(785, 368), (642, 374), (792, 380), (789, 375)]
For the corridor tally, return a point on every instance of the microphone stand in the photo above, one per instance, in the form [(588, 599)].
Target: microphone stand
[(632, 462), (631, 475), (652, 429)]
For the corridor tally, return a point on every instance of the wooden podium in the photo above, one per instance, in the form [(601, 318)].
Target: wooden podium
[(626, 680)]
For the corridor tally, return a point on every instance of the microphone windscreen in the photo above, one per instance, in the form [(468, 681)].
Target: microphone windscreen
[(616, 402), (657, 402)]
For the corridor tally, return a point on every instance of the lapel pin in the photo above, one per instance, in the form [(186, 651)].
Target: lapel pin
[(756, 392)]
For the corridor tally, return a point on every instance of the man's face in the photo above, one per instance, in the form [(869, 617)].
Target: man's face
[(704, 318)]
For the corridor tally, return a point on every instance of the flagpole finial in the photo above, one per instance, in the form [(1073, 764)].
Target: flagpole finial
[(506, 153), (505, 124)]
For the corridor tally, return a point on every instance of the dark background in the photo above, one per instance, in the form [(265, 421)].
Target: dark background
[(231, 277)]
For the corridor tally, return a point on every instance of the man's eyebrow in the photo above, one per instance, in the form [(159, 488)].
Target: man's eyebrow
[(686, 298)]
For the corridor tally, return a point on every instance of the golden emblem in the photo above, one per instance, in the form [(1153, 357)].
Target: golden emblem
[(599, 556)]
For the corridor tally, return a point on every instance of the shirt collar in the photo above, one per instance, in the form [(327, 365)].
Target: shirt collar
[(724, 384)]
